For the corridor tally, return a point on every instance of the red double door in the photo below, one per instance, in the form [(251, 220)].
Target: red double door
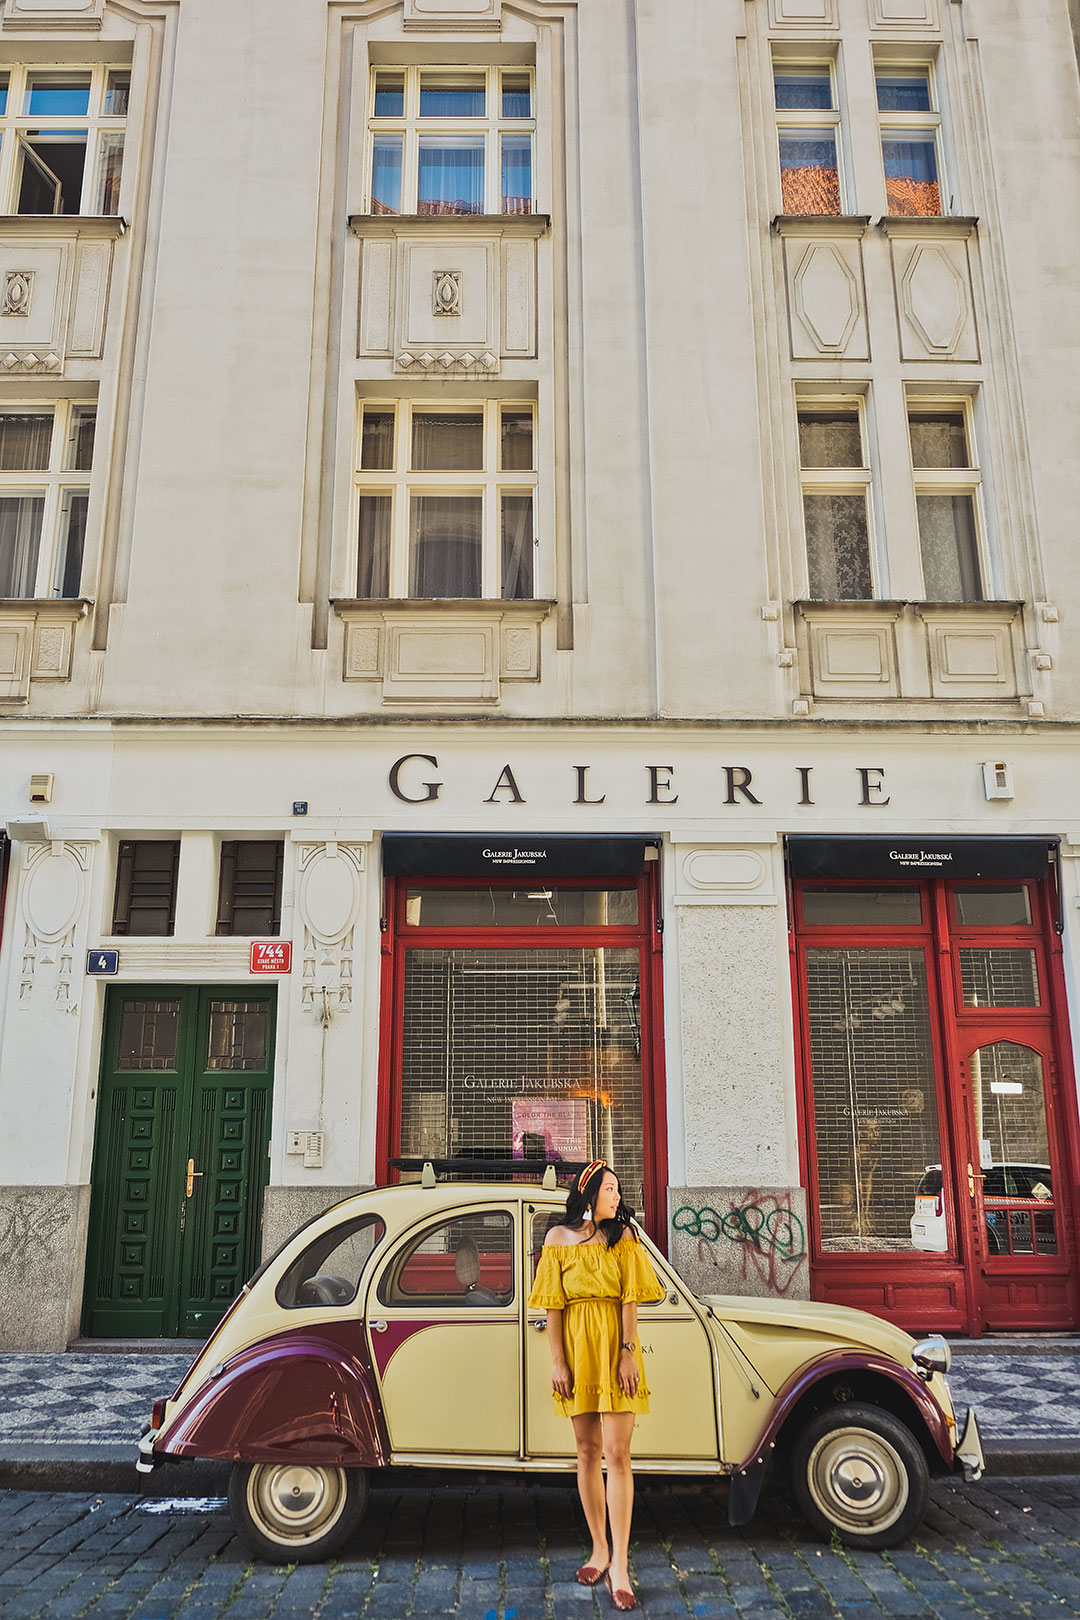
[(939, 1109)]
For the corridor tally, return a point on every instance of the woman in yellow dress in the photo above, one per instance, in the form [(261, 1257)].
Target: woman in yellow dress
[(592, 1273)]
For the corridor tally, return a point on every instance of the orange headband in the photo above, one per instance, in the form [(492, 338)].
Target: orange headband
[(589, 1170)]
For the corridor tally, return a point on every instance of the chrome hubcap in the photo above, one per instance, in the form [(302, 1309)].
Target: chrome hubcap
[(858, 1480), (293, 1503)]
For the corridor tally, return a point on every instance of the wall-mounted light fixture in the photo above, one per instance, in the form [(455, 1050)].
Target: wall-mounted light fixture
[(29, 830)]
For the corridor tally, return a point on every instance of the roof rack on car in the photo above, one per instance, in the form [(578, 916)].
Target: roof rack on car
[(431, 1169)]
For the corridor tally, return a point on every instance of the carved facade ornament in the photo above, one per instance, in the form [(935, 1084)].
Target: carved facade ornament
[(328, 898), (31, 362), (426, 361), (18, 291), (53, 896), (446, 292)]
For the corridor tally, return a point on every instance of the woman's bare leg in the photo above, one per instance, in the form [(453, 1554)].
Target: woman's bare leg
[(618, 1432), (590, 1483)]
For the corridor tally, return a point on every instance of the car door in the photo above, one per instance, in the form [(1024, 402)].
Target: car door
[(677, 1355), (443, 1327)]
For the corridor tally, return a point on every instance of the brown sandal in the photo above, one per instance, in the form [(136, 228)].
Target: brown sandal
[(589, 1575), (621, 1598)]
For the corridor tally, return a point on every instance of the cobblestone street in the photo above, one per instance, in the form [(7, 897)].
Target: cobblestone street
[(1003, 1547)]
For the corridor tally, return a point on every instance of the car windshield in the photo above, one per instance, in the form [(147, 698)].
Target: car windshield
[(328, 1270), (930, 1185)]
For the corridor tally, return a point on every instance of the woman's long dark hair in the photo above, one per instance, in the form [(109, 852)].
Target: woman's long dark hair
[(581, 1198)]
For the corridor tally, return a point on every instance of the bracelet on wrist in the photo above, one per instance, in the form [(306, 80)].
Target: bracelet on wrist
[(629, 1344)]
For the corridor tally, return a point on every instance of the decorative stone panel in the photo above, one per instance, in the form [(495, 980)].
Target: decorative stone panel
[(910, 650), (441, 652), (919, 14), (51, 14), (802, 13), (448, 296), (54, 289), (935, 303), (36, 643), (729, 875), (459, 15), (971, 649), (826, 294), (850, 648)]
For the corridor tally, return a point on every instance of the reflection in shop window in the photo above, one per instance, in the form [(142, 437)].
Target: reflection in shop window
[(875, 1101), (524, 1053), (825, 907), (1014, 1149), (534, 907), (993, 908)]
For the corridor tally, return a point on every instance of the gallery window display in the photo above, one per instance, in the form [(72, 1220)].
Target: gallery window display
[(523, 1026), (938, 1126)]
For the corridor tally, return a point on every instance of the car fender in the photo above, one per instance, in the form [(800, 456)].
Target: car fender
[(747, 1477), (302, 1394)]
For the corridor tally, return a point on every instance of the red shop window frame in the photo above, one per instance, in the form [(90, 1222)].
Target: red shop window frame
[(645, 935)]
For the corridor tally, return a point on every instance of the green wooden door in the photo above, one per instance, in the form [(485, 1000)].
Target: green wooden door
[(180, 1159)]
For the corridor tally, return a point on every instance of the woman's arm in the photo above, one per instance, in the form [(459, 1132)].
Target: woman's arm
[(562, 1379), (628, 1367)]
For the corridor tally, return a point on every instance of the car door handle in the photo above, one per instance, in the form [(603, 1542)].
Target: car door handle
[(539, 1325), (378, 1327)]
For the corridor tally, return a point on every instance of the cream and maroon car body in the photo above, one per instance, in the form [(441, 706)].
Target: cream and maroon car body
[(307, 1398)]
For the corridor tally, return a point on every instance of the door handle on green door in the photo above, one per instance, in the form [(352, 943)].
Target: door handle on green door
[(191, 1175)]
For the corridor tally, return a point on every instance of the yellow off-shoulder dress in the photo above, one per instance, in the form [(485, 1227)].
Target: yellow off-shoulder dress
[(588, 1282)]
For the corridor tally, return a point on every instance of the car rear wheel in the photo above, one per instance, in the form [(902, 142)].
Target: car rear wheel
[(859, 1472), (296, 1513)]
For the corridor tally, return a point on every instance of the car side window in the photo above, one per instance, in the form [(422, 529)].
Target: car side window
[(328, 1271), (468, 1260)]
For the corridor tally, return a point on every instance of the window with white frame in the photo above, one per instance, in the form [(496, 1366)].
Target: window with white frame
[(45, 457), (835, 481), (808, 133), (948, 487), (910, 122), (446, 498), (451, 141), (62, 139)]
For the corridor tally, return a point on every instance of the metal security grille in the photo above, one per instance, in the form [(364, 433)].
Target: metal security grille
[(999, 978), (875, 1103), (521, 1052)]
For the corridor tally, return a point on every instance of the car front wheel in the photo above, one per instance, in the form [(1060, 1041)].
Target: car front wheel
[(297, 1513), (859, 1472)]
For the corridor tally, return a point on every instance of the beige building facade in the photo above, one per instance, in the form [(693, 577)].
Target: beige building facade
[(536, 565)]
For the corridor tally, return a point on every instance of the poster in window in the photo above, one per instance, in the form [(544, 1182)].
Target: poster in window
[(550, 1128)]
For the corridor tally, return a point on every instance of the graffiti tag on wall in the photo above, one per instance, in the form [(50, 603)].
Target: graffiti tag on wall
[(770, 1237)]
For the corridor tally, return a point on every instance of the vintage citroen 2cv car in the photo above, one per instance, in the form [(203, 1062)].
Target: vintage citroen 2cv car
[(393, 1329)]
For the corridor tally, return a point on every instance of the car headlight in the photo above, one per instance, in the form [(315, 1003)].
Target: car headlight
[(931, 1356)]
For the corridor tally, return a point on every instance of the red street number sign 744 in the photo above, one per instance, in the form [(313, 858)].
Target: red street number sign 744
[(270, 956)]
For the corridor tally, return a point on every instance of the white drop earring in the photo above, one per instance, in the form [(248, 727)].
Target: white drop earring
[(588, 1213)]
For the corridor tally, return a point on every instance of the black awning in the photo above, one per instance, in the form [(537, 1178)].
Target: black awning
[(926, 856), (482, 856)]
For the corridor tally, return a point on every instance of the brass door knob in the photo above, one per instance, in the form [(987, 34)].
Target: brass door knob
[(191, 1174)]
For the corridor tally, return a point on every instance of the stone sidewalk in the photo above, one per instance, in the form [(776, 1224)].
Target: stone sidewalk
[(1003, 1548), (73, 1421)]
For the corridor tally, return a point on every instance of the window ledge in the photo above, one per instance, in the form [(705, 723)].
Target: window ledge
[(441, 652), (993, 608), (928, 224), (821, 224), (104, 227), (36, 641), (522, 225), (363, 606)]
